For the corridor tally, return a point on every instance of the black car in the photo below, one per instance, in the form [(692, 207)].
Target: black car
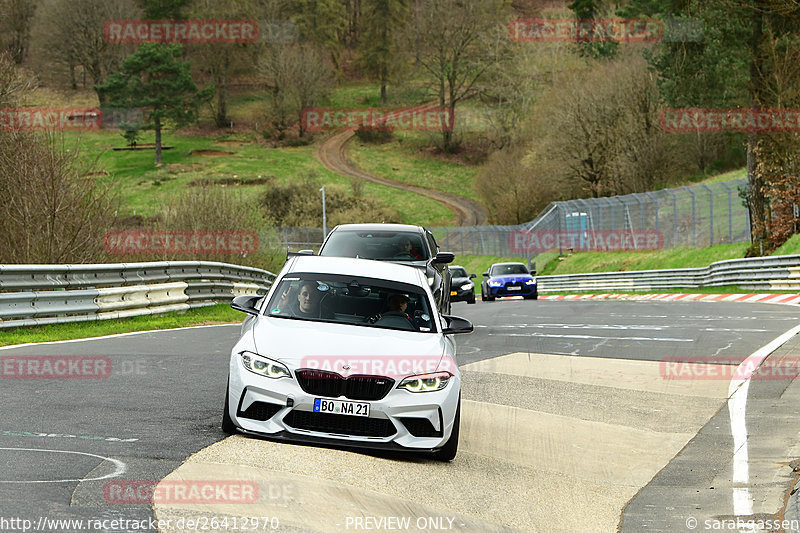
[(462, 289), (398, 243)]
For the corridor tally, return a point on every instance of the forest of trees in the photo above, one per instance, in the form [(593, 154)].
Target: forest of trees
[(557, 120)]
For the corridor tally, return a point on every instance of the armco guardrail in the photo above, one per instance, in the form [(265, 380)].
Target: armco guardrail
[(761, 273), (48, 294)]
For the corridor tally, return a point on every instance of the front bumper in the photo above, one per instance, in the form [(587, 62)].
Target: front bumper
[(281, 409), (461, 295), (510, 289)]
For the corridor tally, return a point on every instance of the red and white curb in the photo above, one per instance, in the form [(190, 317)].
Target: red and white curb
[(785, 299)]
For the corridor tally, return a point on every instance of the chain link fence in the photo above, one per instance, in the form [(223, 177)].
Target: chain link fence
[(698, 215)]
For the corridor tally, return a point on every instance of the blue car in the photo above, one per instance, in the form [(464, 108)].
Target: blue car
[(508, 279)]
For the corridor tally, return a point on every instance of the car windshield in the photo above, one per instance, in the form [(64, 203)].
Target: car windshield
[(458, 273), (504, 270), (380, 245), (352, 300)]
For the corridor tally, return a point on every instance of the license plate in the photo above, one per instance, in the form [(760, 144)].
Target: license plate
[(340, 407), (453, 293), (513, 288)]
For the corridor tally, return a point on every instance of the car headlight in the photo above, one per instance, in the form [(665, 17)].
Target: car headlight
[(530, 282), (495, 283), (466, 286), (263, 366), (426, 382)]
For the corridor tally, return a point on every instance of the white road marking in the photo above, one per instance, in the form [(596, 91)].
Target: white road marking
[(557, 336), (737, 407), (35, 434), (12, 346), (579, 326), (645, 327), (119, 467)]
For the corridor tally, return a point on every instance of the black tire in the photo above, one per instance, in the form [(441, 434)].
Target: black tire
[(472, 299), (483, 295), (448, 452), (228, 426)]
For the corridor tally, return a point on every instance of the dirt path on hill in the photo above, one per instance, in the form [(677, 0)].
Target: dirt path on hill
[(332, 153)]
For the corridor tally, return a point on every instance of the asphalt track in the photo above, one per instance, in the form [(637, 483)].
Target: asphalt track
[(569, 424)]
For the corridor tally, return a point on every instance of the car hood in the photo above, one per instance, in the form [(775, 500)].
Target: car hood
[(419, 263), (459, 281), (296, 342), (512, 278)]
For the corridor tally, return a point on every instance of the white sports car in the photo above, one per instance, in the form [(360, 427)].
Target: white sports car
[(350, 352)]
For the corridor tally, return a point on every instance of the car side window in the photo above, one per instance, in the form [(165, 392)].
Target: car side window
[(432, 243)]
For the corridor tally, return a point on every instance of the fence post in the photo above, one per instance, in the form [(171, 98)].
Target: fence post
[(674, 217), (730, 211), (710, 212), (694, 216), (654, 199)]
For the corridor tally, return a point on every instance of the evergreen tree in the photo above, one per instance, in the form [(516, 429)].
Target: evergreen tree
[(158, 82)]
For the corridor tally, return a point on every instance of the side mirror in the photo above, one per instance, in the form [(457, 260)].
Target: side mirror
[(485, 274), (444, 258), (472, 276), (246, 304), (456, 324)]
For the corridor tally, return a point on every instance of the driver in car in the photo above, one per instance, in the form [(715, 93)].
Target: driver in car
[(407, 249), (397, 305)]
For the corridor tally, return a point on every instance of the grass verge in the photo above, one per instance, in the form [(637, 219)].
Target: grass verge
[(680, 257), (216, 314)]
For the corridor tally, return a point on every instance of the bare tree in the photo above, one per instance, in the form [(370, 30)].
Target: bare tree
[(72, 32), (602, 128), (16, 17), (222, 61), (514, 190), (50, 210), (300, 76), (450, 38), (15, 85)]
